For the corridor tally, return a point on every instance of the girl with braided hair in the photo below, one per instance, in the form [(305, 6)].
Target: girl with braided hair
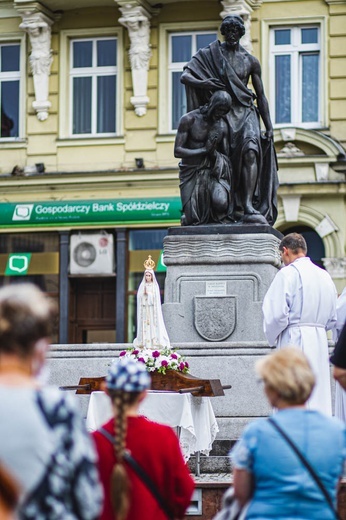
[(129, 440)]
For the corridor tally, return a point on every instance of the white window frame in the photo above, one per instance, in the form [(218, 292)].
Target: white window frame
[(94, 72), (295, 50), (178, 66), (166, 68), (65, 84), (16, 39)]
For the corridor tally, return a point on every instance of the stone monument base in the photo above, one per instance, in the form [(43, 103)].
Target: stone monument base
[(216, 280)]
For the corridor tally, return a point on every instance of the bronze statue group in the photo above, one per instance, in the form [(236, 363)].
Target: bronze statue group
[(228, 171)]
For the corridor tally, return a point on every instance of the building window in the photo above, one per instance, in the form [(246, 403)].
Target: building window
[(296, 76), (10, 89), (181, 47), (93, 74), (34, 258)]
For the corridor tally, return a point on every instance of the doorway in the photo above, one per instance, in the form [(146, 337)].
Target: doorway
[(92, 310)]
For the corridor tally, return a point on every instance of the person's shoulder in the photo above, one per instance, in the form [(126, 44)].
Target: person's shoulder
[(255, 64), (52, 393), (248, 55), (108, 427), (333, 424), (255, 427), (317, 269), (191, 116), (286, 271), (54, 398), (155, 429)]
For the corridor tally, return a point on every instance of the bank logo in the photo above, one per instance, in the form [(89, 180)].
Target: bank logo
[(18, 264), (22, 212)]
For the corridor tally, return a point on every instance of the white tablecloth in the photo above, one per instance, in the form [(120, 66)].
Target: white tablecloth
[(194, 416)]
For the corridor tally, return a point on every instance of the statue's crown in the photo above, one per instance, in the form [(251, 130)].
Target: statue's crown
[(149, 263)]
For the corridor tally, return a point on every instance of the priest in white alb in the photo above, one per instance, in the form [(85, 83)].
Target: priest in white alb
[(340, 393), (298, 309)]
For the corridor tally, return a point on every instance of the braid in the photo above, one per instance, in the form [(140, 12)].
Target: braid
[(120, 484)]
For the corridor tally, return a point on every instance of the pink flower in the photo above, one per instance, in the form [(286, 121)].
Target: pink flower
[(174, 356), (164, 363), (135, 352), (156, 354), (122, 353), (186, 364), (142, 360), (181, 365)]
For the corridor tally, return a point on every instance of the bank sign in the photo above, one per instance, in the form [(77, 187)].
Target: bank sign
[(105, 211)]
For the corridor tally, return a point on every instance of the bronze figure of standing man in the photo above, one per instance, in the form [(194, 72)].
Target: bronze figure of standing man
[(228, 66)]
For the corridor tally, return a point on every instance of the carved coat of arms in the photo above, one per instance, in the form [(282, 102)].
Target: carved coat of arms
[(215, 316)]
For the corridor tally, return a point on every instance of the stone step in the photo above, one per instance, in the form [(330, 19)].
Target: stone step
[(218, 460)]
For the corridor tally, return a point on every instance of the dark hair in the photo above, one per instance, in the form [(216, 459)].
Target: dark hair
[(295, 242), (230, 20), (26, 316), (219, 98), (9, 489), (120, 484)]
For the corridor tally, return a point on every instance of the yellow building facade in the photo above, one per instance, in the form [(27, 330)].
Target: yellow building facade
[(90, 100)]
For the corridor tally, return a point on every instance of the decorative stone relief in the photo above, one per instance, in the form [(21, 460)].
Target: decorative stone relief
[(136, 19), (221, 249), (38, 27), (291, 205), (322, 171), (326, 227), (290, 150), (215, 317), (243, 8), (288, 134), (336, 267)]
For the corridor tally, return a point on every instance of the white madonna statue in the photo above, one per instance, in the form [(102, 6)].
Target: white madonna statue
[(151, 330)]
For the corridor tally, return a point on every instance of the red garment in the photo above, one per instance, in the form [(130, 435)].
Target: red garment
[(156, 448)]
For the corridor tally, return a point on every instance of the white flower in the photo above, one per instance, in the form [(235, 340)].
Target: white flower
[(160, 360)]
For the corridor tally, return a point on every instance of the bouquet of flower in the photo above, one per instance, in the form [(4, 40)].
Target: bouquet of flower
[(160, 360)]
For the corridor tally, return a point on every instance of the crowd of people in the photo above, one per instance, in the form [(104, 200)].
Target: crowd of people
[(51, 468)]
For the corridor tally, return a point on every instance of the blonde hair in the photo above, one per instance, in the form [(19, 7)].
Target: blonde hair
[(288, 372), (26, 316), (120, 484)]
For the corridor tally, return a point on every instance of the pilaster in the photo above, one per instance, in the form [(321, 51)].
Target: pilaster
[(136, 19), (37, 23), (336, 267)]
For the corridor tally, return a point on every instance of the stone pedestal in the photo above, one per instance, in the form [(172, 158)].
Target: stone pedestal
[(216, 280)]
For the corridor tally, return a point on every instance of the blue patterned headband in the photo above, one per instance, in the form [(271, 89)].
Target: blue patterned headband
[(128, 375)]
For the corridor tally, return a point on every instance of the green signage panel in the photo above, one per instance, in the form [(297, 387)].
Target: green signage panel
[(161, 266), (82, 212), (18, 264)]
